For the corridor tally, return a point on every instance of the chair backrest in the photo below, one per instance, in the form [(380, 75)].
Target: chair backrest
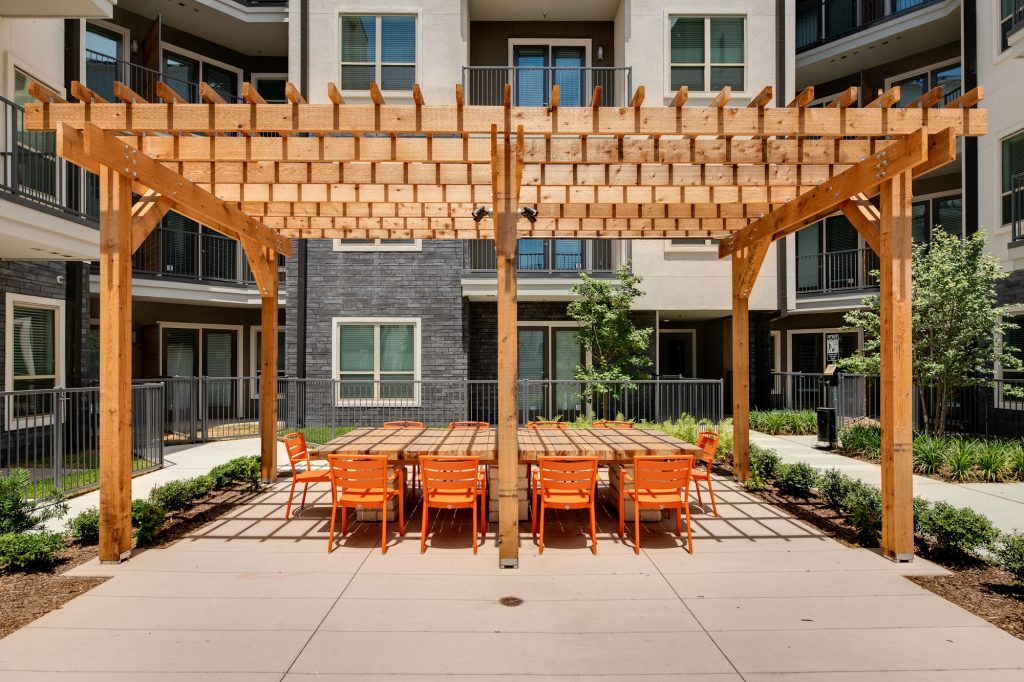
[(546, 425), (708, 442), (568, 474), (295, 446), (468, 425), (358, 472), (449, 474), (662, 472), (403, 425), (612, 424)]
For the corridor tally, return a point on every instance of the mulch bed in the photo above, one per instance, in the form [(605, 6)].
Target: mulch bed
[(27, 596), (986, 591)]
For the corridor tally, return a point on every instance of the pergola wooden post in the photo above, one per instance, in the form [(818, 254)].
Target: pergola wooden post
[(745, 175), (505, 173)]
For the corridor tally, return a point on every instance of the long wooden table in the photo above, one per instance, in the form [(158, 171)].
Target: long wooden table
[(404, 445)]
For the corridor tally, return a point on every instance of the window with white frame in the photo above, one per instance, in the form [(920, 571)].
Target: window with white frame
[(378, 244), (378, 49), (949, 77), (1005, 23), (35, 354), (1013, 166), (707, 53), (256, 357), (377, 361)]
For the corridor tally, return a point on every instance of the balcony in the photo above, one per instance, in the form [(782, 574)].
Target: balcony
[(32, 174), (1017, 206), (102, 70), (194, 255), (532, 85), (822, 21), (548, 257), (835, 272)]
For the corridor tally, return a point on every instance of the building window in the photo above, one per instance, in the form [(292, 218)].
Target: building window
[(184, 72), (378, 49), (1015, 339), (256, 345), (377, 361), (949, 77), (1013, 165), (1005, 23), (271, 87), (945, 213), (378, 244), (35, 357), (707, 53)]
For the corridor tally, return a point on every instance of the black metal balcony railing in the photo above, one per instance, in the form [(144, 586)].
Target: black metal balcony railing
[(531, 85), (31, 173), (1017, 206), (102, 70), (548, 256), (207, 256), (823, 273), (821, 21)]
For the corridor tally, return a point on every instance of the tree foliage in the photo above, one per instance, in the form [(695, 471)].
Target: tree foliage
[(957, 324), (617, 348)]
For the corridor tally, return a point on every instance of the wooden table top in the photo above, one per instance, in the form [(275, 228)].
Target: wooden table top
[(409, 444)]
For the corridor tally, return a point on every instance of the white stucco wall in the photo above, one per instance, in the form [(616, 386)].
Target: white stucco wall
[(36, 46), (442, 45), (1002, 76)]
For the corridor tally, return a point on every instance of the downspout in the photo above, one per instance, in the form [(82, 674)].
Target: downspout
[(76, 287), (302, 254), (969, 178), (781, 99)]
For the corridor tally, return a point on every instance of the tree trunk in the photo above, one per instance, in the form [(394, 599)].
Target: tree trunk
[(928, 421)]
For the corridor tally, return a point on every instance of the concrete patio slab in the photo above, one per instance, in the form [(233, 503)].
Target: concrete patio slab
[(252, 597)]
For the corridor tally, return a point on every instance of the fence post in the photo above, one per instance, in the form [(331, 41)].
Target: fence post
[(204, 389), (57, 438)]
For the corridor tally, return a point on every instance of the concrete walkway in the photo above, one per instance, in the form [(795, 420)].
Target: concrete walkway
[(1002, 503), (251, 597), (180, 461)]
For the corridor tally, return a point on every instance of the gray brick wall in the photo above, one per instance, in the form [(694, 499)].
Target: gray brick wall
[(40, 278), (1011, 290)]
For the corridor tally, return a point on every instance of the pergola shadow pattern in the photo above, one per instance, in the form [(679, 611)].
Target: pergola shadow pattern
[(269, 173)]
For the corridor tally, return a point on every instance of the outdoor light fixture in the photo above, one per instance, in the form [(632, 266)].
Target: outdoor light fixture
[(600, 53), (480, 213), (529, 213)]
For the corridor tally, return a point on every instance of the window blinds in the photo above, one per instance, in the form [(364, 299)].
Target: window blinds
[(34, 343)]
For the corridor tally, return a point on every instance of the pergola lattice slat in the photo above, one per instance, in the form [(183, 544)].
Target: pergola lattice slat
[(265, 173)]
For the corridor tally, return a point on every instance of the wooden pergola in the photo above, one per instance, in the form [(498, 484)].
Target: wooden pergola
[(268, 173)]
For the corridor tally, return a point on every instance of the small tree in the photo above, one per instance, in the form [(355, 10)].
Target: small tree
[(957, 326), (617, 347)]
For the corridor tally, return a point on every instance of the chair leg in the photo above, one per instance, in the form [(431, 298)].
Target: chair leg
[(533, 512), (689, 532), (401, 512), (305, 489), (622, 510), (344, 520), (540, 549), (711, 493), (291, 494), (475, 527), (696, 484), (679, 514), (423, 531), (330, 535), (636, 526), (384, 527), (593, 529)]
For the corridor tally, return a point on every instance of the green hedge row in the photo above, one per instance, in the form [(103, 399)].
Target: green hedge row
[(784, 422)]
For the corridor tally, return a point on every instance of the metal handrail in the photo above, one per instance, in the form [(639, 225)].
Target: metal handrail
[(486, 84), (203, 256), (836, 271), (1017, 205), (816, 24), (594, 256), (102, 70)]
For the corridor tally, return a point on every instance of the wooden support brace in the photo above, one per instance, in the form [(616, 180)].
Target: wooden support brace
[(761, 99), (334, 94), (968, 100), (147, 213), (167, 95), (886, 99), (292, 94), (459, 98), (417, 95), (865, 218), (556, 95), (740, 370), (40, 92), (679, 99), (928, 99), (722, 98), (84, 94), (803, 99), (638, 97), (209, 95), (125, 94), (847, 98), (595, 99), (375, 95), (267, 262), (250, 95)]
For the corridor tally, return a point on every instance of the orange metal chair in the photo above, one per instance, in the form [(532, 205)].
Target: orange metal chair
[(298, 454), (454, 483), (611, 424), (708, 442), (661, 482), (362, 481), (564, 483), (468, 425), (547, 425), (407, 425)]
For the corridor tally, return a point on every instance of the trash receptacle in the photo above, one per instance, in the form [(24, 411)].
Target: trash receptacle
[(826, 427)]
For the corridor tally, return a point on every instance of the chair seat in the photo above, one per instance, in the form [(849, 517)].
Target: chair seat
[(653, 496), (565, 499), (366, 495), (451, 498), (313, 476), (701, 474)]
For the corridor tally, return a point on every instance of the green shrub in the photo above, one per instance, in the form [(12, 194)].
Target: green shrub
[(796, 480), (763, 463), (148, 519), (240, 469), (30, 551), (19, 513), (784, 422), (834, 486), (957, 531), (1009, 553), (863, 508), (960, 459), (992, 461), (921, 507), (1016, 456), (929, 454), (864, 439), (200, 486), (172, 496), (86, 526)]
